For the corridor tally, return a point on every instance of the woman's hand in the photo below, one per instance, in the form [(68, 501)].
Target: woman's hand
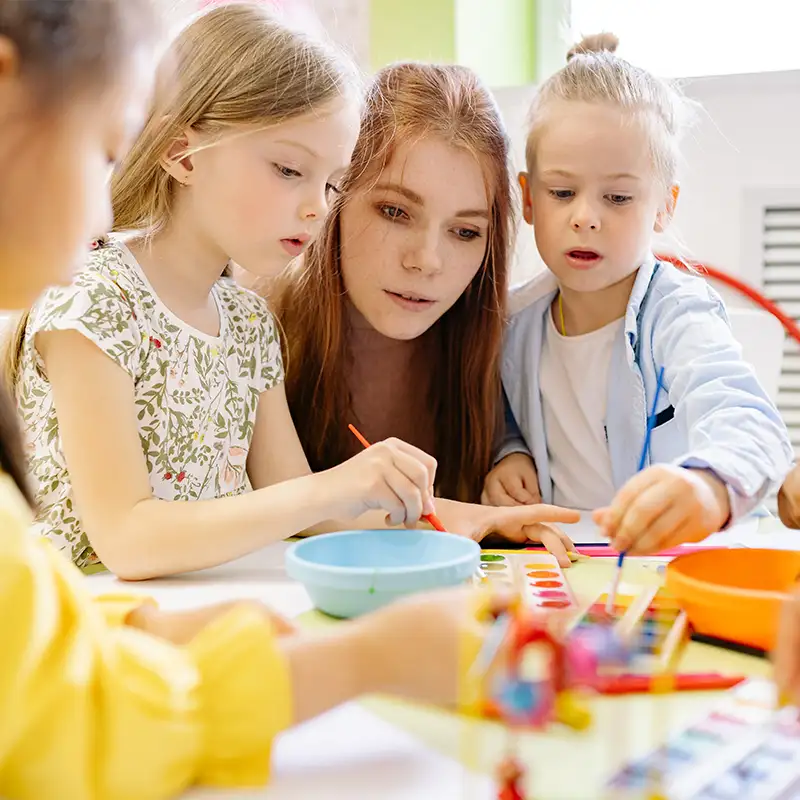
[(517, 524), (787, 652)]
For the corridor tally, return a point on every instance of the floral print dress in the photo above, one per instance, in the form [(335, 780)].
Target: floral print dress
[(196, 395)]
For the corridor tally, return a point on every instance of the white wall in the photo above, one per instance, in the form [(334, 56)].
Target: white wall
[(514, 103), (746, 136), (346, 22)]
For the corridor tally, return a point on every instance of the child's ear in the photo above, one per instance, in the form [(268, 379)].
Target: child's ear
[(665, 215), (176, 162), (527, 205)]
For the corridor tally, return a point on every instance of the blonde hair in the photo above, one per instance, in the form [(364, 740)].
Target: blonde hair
[(232, 67), (594, 74)]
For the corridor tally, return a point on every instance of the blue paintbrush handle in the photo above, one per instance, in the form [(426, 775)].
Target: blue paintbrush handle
[(651, 421)]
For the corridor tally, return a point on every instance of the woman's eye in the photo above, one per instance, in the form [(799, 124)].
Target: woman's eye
[(392, 212), (467, 234)]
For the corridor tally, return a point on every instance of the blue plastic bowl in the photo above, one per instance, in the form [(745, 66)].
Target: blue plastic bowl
[(350, 573)]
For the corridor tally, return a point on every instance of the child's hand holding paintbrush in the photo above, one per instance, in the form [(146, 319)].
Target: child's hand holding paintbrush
[(427, 511), (662, 506), (393, 476)]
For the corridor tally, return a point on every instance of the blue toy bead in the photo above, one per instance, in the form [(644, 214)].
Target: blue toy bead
[(518, 697)]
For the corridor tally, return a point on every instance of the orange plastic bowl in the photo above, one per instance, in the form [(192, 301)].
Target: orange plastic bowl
[(734, 594)]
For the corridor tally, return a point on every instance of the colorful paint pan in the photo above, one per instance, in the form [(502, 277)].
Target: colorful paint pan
[(554, 594), (554, 604), (539, 575), (648, 619)]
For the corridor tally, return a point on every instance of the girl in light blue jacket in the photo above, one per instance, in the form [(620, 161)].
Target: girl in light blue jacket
[(611, 341)]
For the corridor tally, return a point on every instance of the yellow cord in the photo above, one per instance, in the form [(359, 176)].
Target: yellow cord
[(561, 313)]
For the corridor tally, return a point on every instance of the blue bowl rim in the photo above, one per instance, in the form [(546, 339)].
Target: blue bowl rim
[(462, 560)]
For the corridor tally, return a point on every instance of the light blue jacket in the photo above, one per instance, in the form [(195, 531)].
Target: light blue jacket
[(712, 412)]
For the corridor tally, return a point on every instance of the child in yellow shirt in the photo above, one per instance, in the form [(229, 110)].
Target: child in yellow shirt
[(96, 699)]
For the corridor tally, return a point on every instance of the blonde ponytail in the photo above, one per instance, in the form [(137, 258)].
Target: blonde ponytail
[(595, 74)]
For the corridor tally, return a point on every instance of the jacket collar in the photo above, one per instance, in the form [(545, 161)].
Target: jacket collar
[(543, 288), (639, 293)]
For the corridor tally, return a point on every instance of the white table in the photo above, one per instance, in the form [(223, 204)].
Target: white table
[(259, 576), (348, 754)]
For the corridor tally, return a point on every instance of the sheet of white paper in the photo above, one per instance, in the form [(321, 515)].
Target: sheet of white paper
[(585, 531), (779, 539), (351, 754), (742, 534)]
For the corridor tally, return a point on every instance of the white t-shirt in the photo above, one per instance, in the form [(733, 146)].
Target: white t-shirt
[(573, 375)]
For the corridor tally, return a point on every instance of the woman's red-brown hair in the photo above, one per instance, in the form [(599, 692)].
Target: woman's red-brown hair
[(404, 102)]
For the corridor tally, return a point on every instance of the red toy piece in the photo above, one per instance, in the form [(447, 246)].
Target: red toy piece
[(509, 775), (573, 660), (530, 630)]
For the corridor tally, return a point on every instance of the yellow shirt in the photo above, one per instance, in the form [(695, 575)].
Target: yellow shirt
[(93, 710)]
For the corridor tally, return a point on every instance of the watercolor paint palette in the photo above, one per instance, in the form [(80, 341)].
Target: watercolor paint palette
[(742, 749), (539, 573), (649, 618)]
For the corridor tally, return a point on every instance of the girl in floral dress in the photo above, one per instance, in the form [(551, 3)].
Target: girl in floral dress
[(154, 378)]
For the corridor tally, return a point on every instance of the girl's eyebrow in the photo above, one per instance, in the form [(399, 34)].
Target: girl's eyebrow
[(562, 173), (299, 145), (623, 176), (474, 212)]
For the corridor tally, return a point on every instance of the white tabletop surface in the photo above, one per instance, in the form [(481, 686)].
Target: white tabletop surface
[(348, 754)]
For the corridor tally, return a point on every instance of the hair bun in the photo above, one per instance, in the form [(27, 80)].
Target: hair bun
[(596, 43)]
